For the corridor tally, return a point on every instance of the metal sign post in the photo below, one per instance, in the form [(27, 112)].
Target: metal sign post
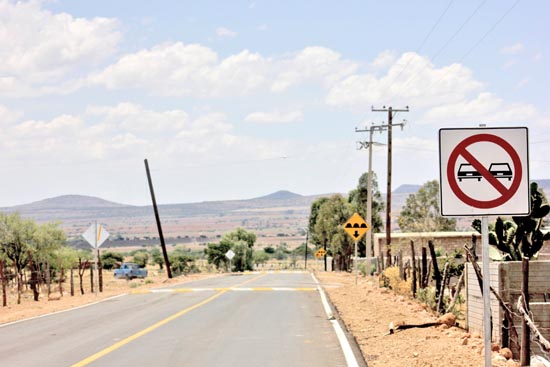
[(356, 263), (95, 235), (230, 255), (484, 171), (486, 289), (356, 227)]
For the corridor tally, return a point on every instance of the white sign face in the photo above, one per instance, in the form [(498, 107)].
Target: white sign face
[(96, 235), (484, 171), (230, 254)]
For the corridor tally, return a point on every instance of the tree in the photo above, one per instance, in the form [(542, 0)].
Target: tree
[(359, 199), (313, 214), (84, 262), (47, 239), (181, 262), (215, 254), (241, 242), (282, 251), (141, 258), (111, 259), (421, 212), (67, 258), (156, 255), (260, 257), (328, 229), (16, 235)]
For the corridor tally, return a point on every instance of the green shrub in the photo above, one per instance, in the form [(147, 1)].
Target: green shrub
[(141, 258), (110, 259), (427, 296)]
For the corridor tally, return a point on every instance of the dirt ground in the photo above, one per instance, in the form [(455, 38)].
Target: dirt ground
[(368, 310)]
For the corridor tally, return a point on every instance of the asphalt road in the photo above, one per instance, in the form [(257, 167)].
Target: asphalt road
[(248, 320)]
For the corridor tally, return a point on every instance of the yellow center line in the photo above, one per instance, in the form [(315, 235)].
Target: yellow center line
[(143, 332)]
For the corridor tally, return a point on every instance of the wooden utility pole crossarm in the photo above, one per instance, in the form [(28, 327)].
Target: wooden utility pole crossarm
[(391, 111)]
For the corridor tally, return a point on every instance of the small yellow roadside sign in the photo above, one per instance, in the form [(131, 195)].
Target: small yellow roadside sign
[(356, 227), (320, 253)]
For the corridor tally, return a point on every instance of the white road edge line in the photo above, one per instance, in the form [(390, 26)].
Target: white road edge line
[(63, 311), (351, 361)]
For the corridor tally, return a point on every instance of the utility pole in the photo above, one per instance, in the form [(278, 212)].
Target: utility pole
[(305, 253), (390, 111), (157, 217), (369, 145)]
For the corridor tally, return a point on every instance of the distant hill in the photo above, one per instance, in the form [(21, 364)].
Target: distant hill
[(80, 207), (280, 195), (407, 189), (68, 202)]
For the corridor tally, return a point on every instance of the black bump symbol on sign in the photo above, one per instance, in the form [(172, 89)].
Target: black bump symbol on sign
[(356, 225)]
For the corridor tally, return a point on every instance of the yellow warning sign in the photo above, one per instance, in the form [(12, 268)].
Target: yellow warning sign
[(356, 227), (320, 253)]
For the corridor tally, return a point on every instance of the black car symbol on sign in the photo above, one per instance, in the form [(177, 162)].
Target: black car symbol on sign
[(498, 170)]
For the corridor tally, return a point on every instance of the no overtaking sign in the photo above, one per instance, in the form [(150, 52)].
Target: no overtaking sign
[(484, 171)]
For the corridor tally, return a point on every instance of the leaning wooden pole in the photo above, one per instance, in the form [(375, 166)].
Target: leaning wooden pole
[(157, 217)]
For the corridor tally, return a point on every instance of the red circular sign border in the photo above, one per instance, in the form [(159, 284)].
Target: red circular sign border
[(480, 204)]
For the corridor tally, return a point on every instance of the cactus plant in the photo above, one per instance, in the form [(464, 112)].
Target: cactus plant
[(521, 237)]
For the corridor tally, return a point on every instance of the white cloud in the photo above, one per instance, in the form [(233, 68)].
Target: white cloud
[(275, 117), (136, 119), (176, 69), (523, 82), (486, 107), (384, 59), (223, 32), (420, 84), (37, 46), (8, 116), (512, 49), (115, 134), (509, 64), (54, 128), (312, 63)]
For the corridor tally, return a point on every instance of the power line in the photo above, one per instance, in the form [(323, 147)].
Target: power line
[(447, 43), (477, 43), (419, 48)]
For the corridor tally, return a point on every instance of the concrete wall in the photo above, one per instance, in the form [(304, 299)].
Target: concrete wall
[(448, 241), (506, 278)]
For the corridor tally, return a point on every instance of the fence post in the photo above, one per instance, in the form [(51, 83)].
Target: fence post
[(413, 264), (525, 356), (424, 270)]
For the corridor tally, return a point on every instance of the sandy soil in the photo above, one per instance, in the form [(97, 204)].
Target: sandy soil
[(367, 311)]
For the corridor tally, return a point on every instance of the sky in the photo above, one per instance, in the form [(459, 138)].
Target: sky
[(239, 99)]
